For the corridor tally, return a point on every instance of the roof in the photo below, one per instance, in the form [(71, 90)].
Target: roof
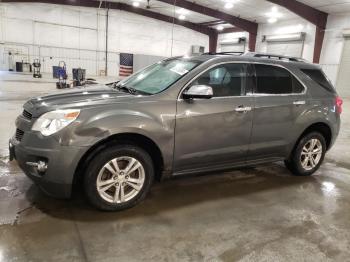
[(256, 58)]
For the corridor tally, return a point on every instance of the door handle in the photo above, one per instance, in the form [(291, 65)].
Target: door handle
[(243, 109), (299, 102)]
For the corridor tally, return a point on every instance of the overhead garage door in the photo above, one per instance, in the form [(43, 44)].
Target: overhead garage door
[(343, 82), (290, 48), (232, 47)]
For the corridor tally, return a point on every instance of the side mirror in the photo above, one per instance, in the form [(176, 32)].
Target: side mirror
[(198, 91)]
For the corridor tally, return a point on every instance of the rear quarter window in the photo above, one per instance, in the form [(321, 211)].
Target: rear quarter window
[(319, 77)]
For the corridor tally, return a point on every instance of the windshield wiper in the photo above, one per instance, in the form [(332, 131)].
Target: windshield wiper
[(130, 90)]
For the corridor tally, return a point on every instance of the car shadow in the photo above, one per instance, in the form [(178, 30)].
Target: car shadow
[(178, 193)]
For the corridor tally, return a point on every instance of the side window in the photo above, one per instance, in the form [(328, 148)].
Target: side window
[(226, 79), (273, 80), (297, 86)]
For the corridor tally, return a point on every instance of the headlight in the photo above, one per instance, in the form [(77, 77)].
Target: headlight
[(52, 122)]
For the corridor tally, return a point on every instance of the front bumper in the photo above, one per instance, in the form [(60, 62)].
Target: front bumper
[(61, 162)]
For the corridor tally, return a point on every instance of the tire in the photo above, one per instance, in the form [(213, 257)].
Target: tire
[(300, 162), (135, 185)]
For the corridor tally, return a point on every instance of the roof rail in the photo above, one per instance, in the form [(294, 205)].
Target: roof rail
[(279, 57), (223, 53)]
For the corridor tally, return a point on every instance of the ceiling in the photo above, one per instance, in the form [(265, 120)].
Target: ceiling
[(329, 6), (169, 10), (252, 10)]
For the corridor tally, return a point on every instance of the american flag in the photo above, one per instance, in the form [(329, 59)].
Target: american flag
[(125, 64)]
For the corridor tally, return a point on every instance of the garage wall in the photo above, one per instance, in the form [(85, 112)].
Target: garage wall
[(333, 44), (77, 36)]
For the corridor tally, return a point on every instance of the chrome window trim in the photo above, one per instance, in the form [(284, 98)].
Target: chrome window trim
[(251, 94)]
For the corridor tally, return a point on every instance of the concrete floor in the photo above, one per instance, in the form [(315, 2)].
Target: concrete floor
[(255, 214)]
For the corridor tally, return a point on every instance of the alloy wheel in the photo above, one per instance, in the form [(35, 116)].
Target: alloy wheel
[(311, 154), (120, 179)]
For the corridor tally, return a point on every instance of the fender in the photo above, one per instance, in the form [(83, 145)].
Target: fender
[(314, 114), (103, 124)]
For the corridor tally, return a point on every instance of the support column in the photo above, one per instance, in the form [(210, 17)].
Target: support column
[(213, 42), (252, 42), (319, 36)]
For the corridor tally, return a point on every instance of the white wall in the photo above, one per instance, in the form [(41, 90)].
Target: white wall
[(333, 44), (77, 36)]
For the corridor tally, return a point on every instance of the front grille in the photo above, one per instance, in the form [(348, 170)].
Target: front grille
[(19, 134), (26, 114)]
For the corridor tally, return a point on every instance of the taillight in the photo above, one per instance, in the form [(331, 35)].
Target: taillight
[(338, 104)]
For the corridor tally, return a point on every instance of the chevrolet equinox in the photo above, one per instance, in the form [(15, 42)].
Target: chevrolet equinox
[(180, 116)]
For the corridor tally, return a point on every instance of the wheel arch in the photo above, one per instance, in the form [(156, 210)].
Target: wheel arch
[(142, 141), (320, 127)]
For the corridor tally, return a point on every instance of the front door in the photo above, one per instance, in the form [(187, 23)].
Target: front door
[(215, 132)]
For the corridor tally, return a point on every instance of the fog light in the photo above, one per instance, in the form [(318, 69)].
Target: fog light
[(41, 166)]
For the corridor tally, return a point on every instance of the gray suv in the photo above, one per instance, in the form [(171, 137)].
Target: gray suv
[(180, 116)]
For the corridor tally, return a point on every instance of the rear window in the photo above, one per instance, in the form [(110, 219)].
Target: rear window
[(319, 78)]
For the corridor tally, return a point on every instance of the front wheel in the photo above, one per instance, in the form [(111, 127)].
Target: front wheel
[(119, 177), (308, 155)]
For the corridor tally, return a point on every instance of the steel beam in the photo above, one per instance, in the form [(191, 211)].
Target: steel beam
[(213, 42), (230, 30), (319, 36), (252, 42), (213, 23)]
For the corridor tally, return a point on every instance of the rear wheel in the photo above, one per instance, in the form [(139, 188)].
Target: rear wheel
[(308, 155), (119, 177)]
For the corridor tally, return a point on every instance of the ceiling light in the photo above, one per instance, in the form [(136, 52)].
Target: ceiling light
[(182, 11), (274, 13), (182, 17), (136, 4), (219, 28), (228, 5), (272, 20)]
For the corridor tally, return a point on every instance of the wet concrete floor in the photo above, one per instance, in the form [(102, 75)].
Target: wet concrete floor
[(253, 214)]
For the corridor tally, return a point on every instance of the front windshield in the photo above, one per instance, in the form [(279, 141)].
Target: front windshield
[(160, 76)]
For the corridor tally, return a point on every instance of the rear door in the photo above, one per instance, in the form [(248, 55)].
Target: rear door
[(279, 98)]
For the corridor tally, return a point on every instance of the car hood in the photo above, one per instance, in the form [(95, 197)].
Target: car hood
[(77, 98)]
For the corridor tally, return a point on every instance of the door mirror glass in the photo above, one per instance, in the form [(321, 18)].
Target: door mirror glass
[(198, 91)]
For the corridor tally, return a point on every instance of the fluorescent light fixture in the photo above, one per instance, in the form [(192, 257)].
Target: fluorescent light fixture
[(228, 5), (219, 28), (182, 11), (272, 20), (136, 4), (285, 37), (230, 41), (182, 17)]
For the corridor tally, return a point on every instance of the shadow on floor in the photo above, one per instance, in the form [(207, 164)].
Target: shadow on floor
[(178, 193)]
